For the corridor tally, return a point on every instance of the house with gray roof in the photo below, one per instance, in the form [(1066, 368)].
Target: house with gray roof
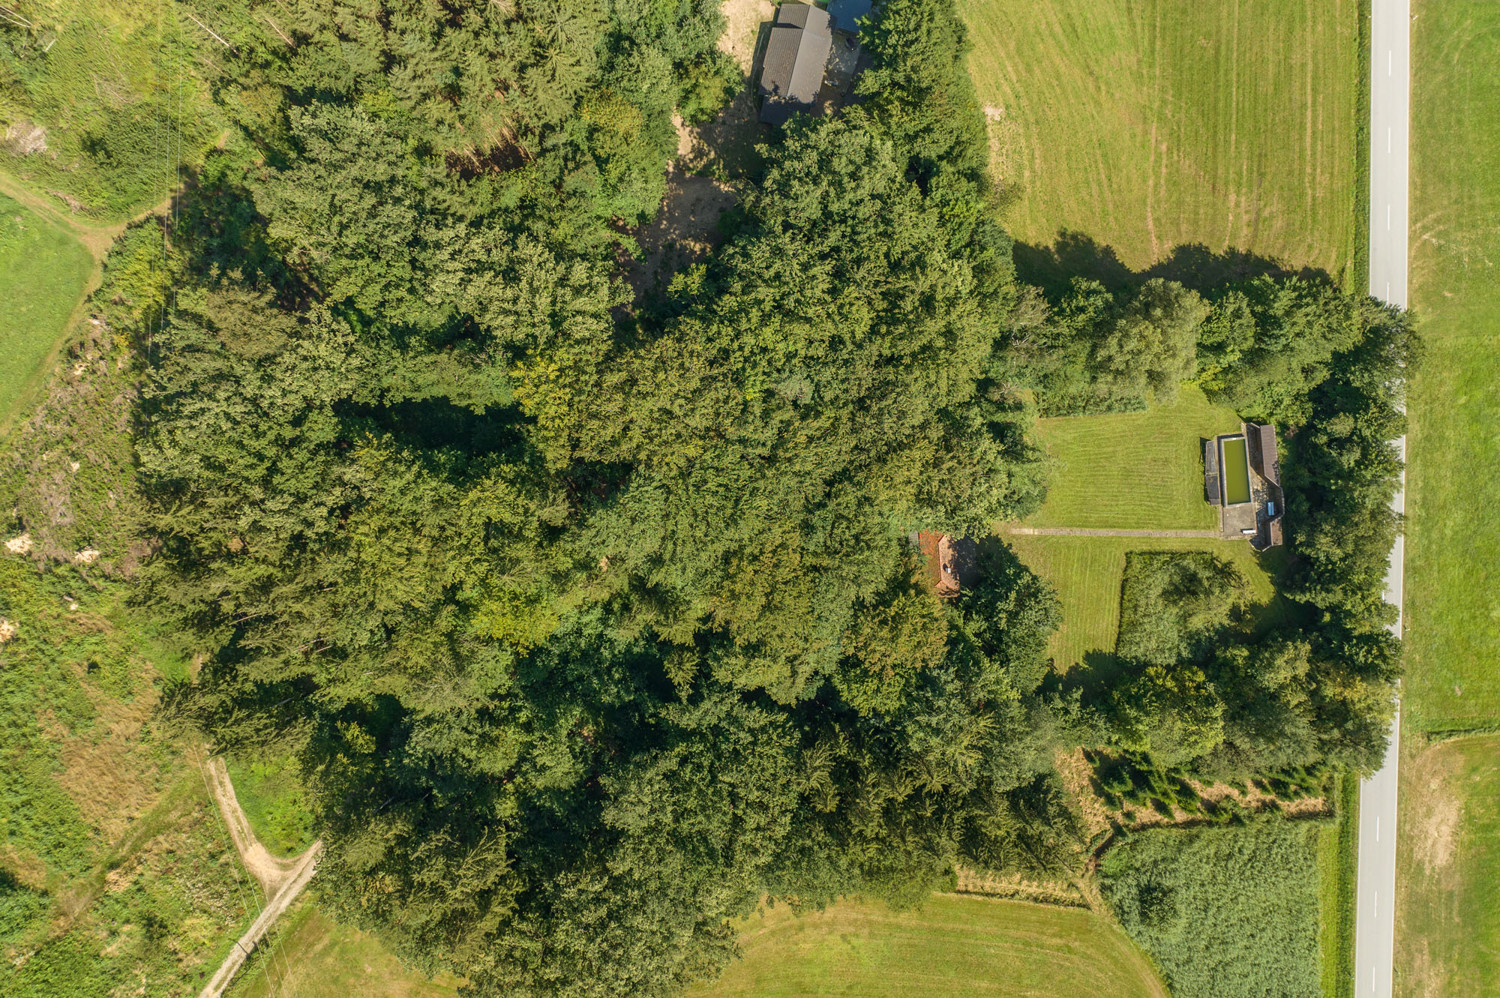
[(792, 71)]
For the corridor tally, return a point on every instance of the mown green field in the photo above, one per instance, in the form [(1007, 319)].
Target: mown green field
[(1453, 533), (315, 957), (1133, 471), (1149, 124), (1448, 902), (953, 946), (1086, 571), (43, 274)]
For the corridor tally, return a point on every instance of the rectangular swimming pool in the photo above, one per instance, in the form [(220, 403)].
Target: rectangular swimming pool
[(1236, 471)]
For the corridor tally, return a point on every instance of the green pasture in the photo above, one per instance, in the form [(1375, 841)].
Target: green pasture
[(1448, 916), (953, 945), (44, 272), (1147, 125)]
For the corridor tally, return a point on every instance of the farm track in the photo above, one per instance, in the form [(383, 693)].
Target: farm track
[(282, 879)]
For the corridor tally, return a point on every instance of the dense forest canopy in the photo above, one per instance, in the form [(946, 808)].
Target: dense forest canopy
[(593, 619)]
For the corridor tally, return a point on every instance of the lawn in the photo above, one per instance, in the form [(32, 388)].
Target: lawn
[(316, 957), (44, 272), (1086, 572), (1453, 537), (1150, 124), (1134, 471), (1448, 905), (953, 945)]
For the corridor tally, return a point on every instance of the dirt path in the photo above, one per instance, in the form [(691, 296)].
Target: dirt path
[(301, 873), (1097, 532), (281, 879), (270, 871)]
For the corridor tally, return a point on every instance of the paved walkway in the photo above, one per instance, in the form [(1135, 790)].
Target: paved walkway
[(1093, 532), (1390, 112)]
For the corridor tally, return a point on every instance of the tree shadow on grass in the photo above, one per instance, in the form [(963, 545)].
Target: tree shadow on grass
[(1193, 265)]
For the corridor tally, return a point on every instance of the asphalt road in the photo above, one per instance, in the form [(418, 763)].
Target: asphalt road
[(1390, 115)]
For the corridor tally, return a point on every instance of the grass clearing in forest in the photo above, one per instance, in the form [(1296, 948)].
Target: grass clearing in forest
[(1086, 572), (44, 273), (951, 945), (1134, 470), (116, 873), (1146, 125), (314, 956), (1448, 907)]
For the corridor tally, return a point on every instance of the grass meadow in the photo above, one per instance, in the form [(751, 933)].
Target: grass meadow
[(1448, 906), (108, 100), (1150, 124), (271, 793), (116, 873), (44, 273), (953, 945), (1133, 471), (1453, 534)]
